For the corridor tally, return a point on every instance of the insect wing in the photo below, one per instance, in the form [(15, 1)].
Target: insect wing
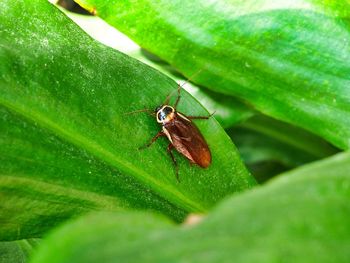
[(188, 140)]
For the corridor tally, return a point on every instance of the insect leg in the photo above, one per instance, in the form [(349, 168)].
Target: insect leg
[(170, 147), (159, 134)]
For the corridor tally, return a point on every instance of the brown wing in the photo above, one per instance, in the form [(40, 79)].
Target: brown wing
[(188, 140)]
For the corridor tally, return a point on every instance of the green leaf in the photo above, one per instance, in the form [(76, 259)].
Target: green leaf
[(302, 216), (17, 251), (228, 110), (339, 8), (262, 138), (66, 143), (290, 135), (269, 147), (288, 59)]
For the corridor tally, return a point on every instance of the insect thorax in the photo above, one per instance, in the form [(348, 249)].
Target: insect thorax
[(165, 114)]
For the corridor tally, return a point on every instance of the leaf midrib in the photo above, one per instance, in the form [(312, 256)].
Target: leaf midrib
[(101, 153)]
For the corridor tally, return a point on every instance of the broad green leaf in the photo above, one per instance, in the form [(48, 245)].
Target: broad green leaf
[(45, 180), (289, 59), (302, 216), (269, 147), (279, 141), (339, 8), (67, 145), (256, 147), (17, 251), (291, 136), (267, 156), (228, 110)]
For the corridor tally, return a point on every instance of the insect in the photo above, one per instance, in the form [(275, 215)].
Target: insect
[(182, 133)]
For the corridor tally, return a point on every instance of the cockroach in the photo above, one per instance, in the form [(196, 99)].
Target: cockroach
[(182, 134)]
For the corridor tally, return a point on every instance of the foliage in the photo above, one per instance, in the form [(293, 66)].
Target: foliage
[(303, 211), (276, 73), (286, 58)]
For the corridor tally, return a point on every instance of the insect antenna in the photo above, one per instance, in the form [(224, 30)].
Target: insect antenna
[(189, 79), (166, 102), (138, 111)]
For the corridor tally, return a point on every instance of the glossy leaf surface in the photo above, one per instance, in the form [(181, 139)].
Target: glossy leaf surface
[(228, 110), (300, 217), (67, 145), (289, 59)]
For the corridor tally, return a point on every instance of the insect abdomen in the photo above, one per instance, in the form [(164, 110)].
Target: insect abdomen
[(188, 141)]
